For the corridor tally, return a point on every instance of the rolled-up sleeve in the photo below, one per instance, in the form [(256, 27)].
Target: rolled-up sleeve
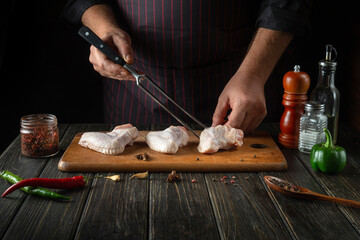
[(74, 9), (285, 15)]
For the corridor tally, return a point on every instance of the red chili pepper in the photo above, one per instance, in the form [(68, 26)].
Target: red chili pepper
[(62, 183)]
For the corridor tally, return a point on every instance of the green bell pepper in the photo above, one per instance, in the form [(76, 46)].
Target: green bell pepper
[(326, 157)]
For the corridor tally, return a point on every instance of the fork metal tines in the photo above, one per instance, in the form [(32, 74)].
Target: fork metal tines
[(140, 77)]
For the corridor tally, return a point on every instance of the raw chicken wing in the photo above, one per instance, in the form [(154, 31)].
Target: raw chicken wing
[(220, 137), (167, 141), (111, 143)]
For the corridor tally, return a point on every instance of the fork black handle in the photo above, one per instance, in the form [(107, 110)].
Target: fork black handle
[(93, 39)]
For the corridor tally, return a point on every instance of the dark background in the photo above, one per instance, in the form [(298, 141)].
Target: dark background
[(44, 64)]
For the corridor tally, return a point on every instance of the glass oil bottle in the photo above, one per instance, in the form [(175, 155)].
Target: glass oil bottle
[(325, 92)]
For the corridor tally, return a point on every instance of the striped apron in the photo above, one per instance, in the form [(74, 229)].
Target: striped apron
[(189, 48)]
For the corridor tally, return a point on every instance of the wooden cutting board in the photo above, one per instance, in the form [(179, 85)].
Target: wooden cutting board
[(259, 153)]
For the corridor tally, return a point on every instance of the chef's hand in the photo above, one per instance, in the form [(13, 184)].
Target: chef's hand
[(244, 95), (120, 42)]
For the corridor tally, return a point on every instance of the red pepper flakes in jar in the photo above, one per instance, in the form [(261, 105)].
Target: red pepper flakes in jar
[(39, 135)]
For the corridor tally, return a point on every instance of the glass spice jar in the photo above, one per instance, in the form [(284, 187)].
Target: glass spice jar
[(39, 135), (312, 124)]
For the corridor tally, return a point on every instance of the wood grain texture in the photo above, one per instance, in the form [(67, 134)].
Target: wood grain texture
[(60, 219), (345, 184), (243, 209), (180, 210), (308, 219), (155, 209), (125, 215), (244, 158), (12, 160)]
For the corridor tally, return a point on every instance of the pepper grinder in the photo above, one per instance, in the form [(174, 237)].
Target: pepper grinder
[(296, 84)]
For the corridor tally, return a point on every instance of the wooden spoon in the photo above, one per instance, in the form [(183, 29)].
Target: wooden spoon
[(292, 190)]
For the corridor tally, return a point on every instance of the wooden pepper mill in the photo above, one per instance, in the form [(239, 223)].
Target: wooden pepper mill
[(296, 85)]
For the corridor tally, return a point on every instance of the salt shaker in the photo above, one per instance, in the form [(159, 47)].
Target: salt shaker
[(312, 124)]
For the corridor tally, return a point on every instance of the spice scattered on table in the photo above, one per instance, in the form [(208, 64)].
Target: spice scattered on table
[(143, 156), (197, 159), (173, 177), (140, 175), (254, 156)]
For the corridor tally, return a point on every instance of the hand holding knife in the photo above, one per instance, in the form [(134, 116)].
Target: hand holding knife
[(94, 40)]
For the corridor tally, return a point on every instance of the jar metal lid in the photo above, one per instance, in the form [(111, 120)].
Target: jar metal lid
[(43, 119), (313, 105)]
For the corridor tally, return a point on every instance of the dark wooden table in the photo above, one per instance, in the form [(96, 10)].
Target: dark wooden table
[(154, 209)]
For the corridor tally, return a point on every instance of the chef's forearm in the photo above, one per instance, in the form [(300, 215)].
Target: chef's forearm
[(264, 52), (100, 18)]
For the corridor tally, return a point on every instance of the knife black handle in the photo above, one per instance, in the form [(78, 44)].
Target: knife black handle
[(94, 40)]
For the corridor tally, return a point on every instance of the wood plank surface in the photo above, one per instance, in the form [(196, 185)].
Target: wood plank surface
[(345, 184), (116, 210), (126, 213), (12, 160), (308, 219), (207, 209), (242, 209), (180, 210), (40, 218), (187, 159)]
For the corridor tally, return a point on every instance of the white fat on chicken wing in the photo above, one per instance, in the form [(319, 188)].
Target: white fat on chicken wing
[(220, 137), (168, 140), (111, 143)]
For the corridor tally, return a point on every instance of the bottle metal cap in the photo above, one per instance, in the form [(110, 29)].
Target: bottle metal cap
[(313, 105), (327, 64)]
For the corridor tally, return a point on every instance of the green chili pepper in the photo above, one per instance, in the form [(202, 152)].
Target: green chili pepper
[(42, 192), (326, 157)]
